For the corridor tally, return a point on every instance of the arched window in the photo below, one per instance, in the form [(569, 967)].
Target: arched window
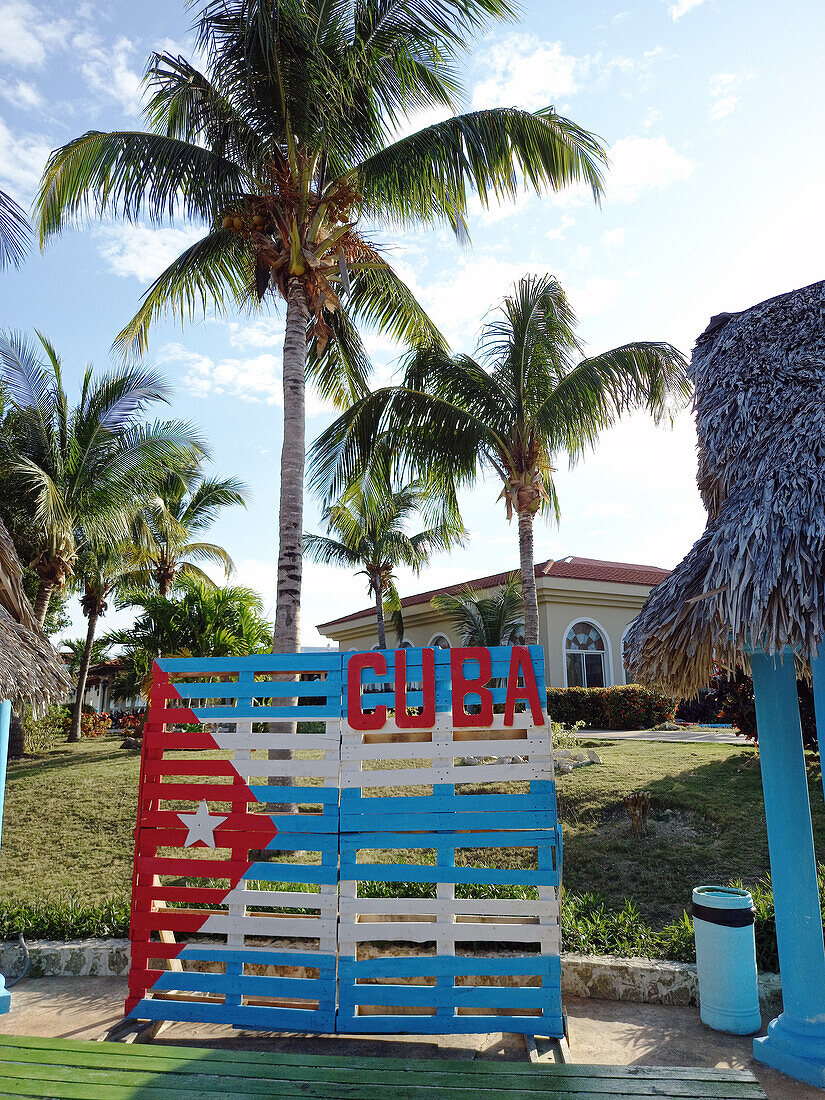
[(584, 652), (438, 641)]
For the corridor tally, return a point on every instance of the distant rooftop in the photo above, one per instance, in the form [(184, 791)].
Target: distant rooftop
[(570, 568)]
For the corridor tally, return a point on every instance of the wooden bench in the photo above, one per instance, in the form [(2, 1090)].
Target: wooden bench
[(105, 1071)]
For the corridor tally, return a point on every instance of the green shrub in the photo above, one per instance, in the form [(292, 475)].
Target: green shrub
[(41, 734), (64, 918), (624, 707)]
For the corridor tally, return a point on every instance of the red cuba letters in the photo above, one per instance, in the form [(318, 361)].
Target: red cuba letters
[(521, 686)]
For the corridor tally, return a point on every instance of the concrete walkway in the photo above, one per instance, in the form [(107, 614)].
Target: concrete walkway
[(601, 1032), (708, 736)]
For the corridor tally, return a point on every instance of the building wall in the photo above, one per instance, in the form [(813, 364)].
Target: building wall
[(610, 607)]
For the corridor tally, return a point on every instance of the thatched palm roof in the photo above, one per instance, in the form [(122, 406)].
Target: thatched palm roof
[(757, 574), (31, 670)]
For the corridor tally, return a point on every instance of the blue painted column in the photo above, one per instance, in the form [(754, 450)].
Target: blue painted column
[(795, 1043), (5, 721)]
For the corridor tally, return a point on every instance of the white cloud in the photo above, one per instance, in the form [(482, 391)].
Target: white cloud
[(140, 252), (640, 164), (620, 17), (255, 379), (725, 89), (522, 71), (28, 35), (558, 231), (22, 160), (107, 68), (681, 7), (21, 94), (265, 332), (614, 238), (258, 379), (652, 116), (461, 297), (595, 295)]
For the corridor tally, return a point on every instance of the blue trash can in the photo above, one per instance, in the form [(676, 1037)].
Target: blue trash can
[(726, 959)]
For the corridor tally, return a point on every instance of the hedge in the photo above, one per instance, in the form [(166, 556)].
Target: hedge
[(625, 707)]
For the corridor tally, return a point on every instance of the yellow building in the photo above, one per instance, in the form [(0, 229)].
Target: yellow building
[(585, 609)]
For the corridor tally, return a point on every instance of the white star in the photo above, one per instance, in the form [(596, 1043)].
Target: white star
[(201, 826)]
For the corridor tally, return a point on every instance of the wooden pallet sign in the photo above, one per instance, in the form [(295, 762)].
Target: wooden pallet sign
[(416, 887)]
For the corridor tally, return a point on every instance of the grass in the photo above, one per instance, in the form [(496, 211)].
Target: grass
[(70, 816)]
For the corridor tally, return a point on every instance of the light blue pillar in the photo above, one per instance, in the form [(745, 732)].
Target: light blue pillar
[(5, 721), (795, 1043)]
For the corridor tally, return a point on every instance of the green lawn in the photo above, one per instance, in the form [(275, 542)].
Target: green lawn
[(70, 815)]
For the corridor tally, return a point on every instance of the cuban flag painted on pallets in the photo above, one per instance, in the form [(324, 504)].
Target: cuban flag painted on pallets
[(196, 795)]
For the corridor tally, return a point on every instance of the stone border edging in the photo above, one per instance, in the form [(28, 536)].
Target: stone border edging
[(604, 977)]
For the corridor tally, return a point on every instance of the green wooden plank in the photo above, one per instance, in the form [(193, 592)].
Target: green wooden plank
[(266, 1059), (191, 1076), (363, 1089)]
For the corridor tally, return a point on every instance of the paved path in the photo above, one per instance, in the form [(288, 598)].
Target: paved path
[(709, 736), (601, 1032)]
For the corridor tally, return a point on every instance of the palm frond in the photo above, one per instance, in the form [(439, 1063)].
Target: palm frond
[(132, 174), (15, 232), (428, 176), (216, 270)]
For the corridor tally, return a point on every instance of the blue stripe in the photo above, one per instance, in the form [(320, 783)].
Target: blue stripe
[(311, 842), (293, 872), (299, 823), (531, 819), (249, 985), (262, 956), (552, 1026), (542, 796), (254, 1016), (421, 966), (298, 689), (351, 842), (258, 662), (266, 714)]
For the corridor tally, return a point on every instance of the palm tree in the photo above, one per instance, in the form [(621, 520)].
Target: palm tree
[(526, 398), (283, 147), (183, 506), (72, 651), (198, 619), (369, 521), (15, 232), (99, 572), (486, 620), (83, 471)]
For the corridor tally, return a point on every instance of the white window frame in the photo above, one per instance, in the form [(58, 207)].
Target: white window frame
[(439, 634), (609, 680)]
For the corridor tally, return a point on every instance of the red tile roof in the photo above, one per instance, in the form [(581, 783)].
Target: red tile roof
[(571, 568)]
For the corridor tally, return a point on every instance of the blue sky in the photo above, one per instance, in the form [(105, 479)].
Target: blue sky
[(712, 110)]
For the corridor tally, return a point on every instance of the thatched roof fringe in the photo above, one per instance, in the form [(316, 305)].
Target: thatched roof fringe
[(760, 564), (31, 670)]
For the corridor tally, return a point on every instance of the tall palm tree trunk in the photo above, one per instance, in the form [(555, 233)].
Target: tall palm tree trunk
[(41, 602), (528, 577), (379, 614), (83, 672), (291, 513)]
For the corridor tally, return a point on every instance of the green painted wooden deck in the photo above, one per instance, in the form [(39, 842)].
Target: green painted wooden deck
[(109, 1071)]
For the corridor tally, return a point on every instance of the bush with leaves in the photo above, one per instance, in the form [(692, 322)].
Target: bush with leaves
[(624, 707)]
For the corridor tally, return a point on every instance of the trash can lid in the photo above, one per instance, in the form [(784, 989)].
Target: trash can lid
[(722, 897)]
